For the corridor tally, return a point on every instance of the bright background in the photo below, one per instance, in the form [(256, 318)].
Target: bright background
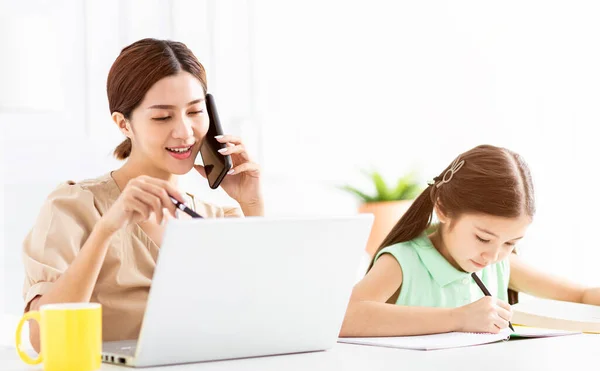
[(319, 90)]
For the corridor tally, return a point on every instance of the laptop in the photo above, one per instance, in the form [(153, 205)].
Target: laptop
[(247, 287)]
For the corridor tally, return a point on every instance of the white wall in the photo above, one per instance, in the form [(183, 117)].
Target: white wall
[(39, 106), (2, 218), (319, 89)]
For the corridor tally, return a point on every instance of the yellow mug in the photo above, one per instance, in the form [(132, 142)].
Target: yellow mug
[(70, 336)]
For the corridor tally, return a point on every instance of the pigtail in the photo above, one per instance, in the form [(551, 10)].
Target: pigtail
[(413, 223)]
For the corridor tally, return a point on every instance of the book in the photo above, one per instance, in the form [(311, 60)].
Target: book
[(453, 339), (559, 315)]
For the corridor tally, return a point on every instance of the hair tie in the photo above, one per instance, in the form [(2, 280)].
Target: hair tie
[(433, 181), (448, 175)]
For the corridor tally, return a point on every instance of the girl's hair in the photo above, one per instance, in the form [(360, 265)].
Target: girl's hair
[(491, 180), (138, 67)]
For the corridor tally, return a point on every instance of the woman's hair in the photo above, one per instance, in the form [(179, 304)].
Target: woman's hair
[(487, 180), (138, 67)]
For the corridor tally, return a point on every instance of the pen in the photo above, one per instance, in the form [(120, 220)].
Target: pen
[(185, 209), (486, 292)]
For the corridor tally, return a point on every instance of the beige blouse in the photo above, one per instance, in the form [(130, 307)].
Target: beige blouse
[(63, 225)]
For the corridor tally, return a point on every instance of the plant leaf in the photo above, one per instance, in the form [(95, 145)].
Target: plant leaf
[(412, 192), (361, 195), (407, 187), (400, 190), (383, 192)]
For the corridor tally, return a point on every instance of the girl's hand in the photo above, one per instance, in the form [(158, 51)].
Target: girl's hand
[(487, 314), (242, 183), (141, 198)]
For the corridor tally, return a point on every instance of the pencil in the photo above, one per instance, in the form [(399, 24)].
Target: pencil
[(185, 209), (486, 292)]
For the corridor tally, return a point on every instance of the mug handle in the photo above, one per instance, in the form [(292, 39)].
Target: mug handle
[(35, 315)]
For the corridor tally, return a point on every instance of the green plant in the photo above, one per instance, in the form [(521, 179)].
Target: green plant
[(406, 188)]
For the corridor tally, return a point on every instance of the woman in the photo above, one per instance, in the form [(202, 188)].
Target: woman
[(98, 240)]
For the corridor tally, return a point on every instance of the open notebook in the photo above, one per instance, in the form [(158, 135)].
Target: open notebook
[(557, 315), (453, 339)]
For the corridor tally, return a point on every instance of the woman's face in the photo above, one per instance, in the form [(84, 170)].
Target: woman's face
[(169, 125)]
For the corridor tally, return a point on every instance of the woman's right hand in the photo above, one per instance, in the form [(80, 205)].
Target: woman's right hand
[(141, 198), (487, 314)]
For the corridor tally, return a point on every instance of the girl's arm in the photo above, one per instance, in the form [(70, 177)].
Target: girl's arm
[(527, 279), (369, 315)]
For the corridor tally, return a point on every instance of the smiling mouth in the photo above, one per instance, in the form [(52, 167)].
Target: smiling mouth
[(179, 150)]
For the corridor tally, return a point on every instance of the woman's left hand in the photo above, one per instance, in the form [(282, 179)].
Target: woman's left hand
[(242, 183)]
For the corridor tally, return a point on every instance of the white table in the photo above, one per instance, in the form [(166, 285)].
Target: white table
[(579, 352)]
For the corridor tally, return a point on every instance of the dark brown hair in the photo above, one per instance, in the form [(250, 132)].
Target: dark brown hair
[(138, 67), (493, 181)]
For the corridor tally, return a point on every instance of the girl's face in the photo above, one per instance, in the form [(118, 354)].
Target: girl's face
[(169, 125), (474, 241)]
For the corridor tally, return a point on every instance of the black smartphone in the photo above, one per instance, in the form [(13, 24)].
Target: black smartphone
[(215, 164)]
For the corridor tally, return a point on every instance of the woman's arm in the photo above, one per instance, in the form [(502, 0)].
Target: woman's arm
[(256, 209), (368, 314), (141, 198), (527, 279), (77, 283)]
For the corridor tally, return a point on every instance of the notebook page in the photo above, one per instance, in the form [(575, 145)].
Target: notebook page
[(560, 310), (535, 332), (430, 342), (544, 313)]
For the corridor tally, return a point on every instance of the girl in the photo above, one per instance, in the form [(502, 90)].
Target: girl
[(98, 240), (421, 284)]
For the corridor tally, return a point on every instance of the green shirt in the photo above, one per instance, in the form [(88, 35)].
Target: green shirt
[(429, 280)]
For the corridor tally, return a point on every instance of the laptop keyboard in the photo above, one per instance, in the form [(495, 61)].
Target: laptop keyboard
[(126, 348)]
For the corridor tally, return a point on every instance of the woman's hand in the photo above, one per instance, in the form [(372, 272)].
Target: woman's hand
[(142, 198), (242, 183)]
